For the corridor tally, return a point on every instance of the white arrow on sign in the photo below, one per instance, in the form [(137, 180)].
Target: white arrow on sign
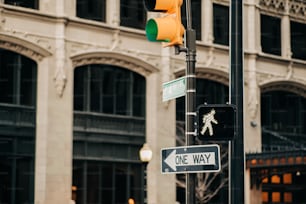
[(190, 159)]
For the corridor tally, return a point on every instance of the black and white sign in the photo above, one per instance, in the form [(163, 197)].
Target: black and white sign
[(216, 122), (191, 159)]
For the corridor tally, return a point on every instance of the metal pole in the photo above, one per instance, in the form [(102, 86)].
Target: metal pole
[(190, 99), (190, 109), (145, 186), (236, 97)]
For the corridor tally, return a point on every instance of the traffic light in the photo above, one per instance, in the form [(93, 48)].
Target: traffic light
[(216, 122), (168, 28)]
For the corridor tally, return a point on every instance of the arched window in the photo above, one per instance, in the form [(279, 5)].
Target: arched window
[(17, 79), (283, 119), (109, 89), (17, 132), (109, 130)]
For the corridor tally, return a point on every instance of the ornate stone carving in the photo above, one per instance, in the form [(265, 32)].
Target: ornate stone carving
[(253, 96), (113, 61), (278, 6), (297, 8), (213, 75), (60, 80), (21, 49)]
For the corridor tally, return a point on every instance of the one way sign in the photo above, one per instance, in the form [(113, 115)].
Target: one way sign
[(191, 159)]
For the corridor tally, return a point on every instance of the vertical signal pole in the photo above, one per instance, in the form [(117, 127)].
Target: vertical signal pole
[(190, 103), (236, 97)]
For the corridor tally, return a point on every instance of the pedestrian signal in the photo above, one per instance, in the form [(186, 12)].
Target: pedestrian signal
[(216, 122), (168, 28)]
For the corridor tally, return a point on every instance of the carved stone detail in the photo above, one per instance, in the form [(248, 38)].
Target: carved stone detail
[(273, 5), (21, 49), (294, 8), (253, 101), (297, 8), (60, 80), (213, 75), (113, 61)]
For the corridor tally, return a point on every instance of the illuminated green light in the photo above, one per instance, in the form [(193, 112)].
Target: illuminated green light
[(152, 31)]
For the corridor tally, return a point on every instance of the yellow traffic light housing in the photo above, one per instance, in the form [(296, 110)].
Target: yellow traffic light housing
[(168, 28)]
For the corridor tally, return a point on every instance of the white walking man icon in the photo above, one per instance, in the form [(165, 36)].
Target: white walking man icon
[(207, 120)]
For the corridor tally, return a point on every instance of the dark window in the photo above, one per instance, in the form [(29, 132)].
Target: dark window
[(132, 14), (283, 119), (196, 16), (209, 92), (104, 182), (23, 3), (270, 35), (17, 132), (298, 40), (109, 89), (17, 79), (221, 24), (91, 9), (107, 135)]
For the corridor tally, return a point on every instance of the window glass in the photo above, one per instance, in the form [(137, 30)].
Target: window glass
[(208, 91), (17, 79), (109, 89), (221, 24), (298, 40), (17, 87), (108, 97), (80, 77), (132, 14), (91, 9), (28, 82), (271, 35), (95, 88), (23, 3), (196, 16), (123, 88), (283, 118), (112, 183), (139, 98), (7, 60)]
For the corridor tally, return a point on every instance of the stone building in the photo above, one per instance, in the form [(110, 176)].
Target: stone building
[(81, 92)]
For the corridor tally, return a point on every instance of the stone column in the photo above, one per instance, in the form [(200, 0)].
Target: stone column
[(160, 133), (252, 130), (113, 12), (54, 128), (207, 22), (252, 94), (285, 33), (58, 7)]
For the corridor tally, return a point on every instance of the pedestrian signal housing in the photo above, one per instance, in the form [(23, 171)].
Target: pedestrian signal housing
[(168, 28), (216, 122)]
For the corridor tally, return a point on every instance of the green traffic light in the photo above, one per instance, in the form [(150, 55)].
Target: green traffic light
[(152, 31)]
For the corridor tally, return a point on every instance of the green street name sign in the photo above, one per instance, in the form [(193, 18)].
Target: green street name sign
[(174, 89)]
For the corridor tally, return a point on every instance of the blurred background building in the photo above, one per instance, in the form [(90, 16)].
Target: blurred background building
[(81, 92)]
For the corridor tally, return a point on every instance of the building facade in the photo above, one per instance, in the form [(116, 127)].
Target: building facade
[(81, 92)]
